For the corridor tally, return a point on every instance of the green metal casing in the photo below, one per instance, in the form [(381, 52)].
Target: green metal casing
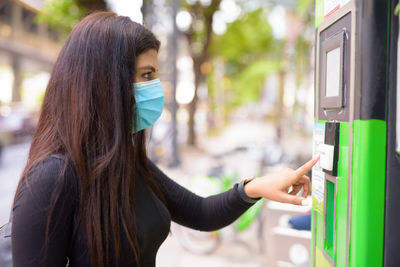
[(350, 229)]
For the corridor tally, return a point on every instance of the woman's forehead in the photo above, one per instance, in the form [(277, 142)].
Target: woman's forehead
[(149, 57)]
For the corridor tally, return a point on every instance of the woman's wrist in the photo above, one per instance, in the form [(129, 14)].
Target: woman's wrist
[(250, 188), (243, 194)]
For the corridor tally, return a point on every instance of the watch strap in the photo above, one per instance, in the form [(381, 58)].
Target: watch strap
[(243, 194)]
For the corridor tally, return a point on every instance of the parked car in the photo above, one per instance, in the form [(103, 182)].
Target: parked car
[(17, 123)]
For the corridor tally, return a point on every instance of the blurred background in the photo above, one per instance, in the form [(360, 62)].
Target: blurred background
[(238, 79)]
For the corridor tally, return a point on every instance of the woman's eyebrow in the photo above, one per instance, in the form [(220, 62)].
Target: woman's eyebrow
[(148, 67)]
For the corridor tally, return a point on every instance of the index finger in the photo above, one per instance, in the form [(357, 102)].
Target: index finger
[(306, 167)]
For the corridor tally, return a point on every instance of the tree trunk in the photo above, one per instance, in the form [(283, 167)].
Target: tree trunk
[(199, 59), (175, 158), (16, 67), (147, 11), (280, 114), (193, 104)]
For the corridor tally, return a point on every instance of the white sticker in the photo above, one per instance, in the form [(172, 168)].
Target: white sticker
[(330, 6), (318, 176)]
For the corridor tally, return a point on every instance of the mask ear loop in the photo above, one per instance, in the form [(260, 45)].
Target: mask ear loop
[(135, 114)]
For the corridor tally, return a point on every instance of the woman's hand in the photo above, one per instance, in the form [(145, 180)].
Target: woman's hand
[(275, 186)]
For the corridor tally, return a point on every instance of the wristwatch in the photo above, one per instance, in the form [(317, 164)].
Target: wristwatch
[(243, 194)]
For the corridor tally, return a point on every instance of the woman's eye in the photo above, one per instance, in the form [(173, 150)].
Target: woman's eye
[(147, 75)]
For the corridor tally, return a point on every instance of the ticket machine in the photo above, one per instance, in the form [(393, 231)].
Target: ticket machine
[(356, 184)]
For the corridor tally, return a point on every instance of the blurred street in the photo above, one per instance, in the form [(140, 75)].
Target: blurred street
[(237, 251), (12, 163), (238, 83), (229, 91), (171, 253), (195, 162)]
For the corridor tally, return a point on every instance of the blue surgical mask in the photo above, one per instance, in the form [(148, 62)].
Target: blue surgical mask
[(149, 97)]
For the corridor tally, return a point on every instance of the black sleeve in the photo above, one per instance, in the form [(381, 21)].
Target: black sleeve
[(205, 214), (30, 214)]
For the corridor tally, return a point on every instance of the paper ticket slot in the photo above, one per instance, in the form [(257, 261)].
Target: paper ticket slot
[(326, 160), (330, 149)]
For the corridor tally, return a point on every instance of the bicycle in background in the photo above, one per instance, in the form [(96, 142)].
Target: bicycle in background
[(218, 179)]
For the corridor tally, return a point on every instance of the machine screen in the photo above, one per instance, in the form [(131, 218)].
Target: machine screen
[(333, 73)]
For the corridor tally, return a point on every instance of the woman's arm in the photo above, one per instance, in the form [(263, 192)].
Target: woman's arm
[(205, 214), (217, 211), (30, 214)]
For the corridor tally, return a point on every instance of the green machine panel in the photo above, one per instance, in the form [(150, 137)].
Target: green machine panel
[(350, 133)]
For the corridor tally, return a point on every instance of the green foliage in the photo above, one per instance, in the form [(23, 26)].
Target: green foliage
[(250, 54), (301, 58), (61, 14), (248, 84), (245, 39), (303, 7)]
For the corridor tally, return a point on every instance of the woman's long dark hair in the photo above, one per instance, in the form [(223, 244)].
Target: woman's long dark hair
[(87, 115)]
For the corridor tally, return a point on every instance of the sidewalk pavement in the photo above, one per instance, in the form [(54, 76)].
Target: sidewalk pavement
[(228, 254)]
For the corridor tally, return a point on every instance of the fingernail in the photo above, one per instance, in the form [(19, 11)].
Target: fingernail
[(304, 202)]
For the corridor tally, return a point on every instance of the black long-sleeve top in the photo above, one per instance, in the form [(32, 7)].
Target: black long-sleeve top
[(68, 239)]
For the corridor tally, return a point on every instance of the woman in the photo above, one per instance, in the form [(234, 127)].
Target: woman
[(88, 194)]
